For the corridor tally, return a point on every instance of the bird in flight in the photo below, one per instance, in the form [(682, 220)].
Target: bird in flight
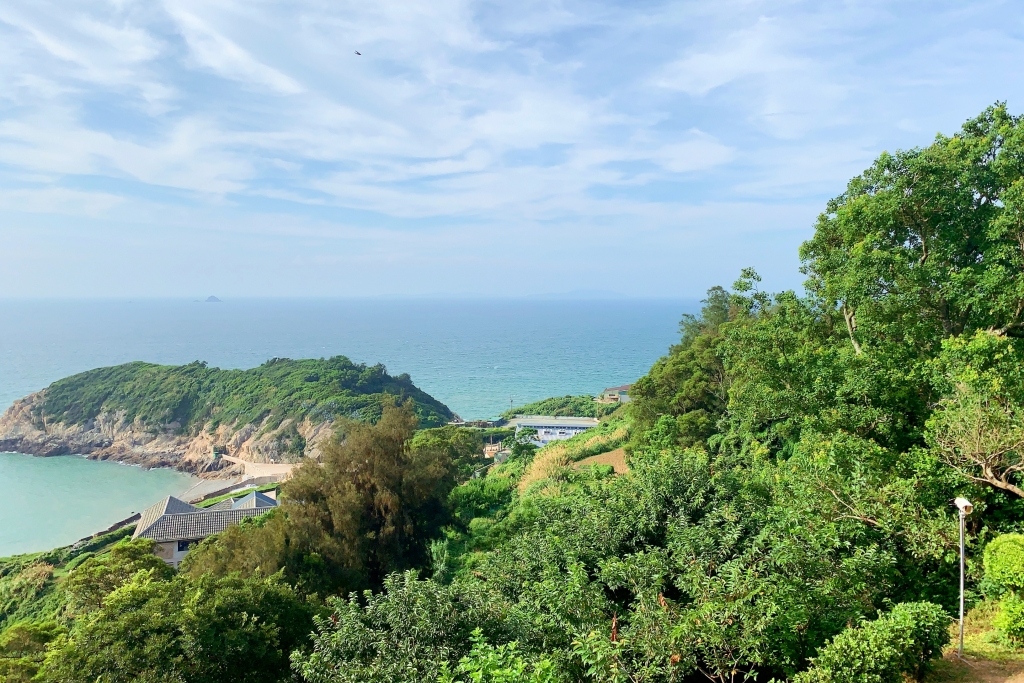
[(359, 53)]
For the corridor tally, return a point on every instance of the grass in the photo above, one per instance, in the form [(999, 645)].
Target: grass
[(988, 658), (236, 494), (29, 583), (549, 461)]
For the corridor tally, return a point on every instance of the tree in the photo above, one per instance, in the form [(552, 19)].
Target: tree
[(978, 427), (88, 584), (403, 634), (183, 631), (370, 507), (928, 243), (691, 382)]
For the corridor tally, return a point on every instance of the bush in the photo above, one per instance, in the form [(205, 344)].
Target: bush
[(881, 651), (1009, 621), (487, 663), (1004, 564)]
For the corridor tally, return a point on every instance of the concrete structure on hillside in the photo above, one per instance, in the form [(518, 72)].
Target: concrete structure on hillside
[(175, 525), (550, 428), (615, 394)]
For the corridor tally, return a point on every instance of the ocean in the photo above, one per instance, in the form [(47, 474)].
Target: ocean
[(478, 357)]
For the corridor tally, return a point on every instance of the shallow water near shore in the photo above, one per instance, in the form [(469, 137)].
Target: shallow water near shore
[(51, 502)]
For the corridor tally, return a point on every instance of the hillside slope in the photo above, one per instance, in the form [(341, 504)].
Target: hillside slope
[(160, 415)]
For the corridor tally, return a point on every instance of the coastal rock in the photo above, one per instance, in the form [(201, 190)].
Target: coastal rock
[(109, 436)]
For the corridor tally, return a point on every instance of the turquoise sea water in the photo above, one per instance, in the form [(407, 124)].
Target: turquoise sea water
[(50, 502), (478, 357)]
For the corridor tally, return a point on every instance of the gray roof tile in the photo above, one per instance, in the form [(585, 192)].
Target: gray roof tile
[(174, 520)]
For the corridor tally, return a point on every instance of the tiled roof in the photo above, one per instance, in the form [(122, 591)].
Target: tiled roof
[(254, 500), (183, 522), (168, 506), (624, 387)]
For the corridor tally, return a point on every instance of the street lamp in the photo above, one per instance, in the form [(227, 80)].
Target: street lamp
[(965, 509)]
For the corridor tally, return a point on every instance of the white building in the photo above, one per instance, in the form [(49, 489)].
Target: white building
[(551, 428)]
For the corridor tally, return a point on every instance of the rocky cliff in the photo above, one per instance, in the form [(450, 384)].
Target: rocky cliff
[(110, 436)]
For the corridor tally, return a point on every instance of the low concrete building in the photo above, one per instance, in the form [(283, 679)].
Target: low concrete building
[(550, 428), (175, 525)]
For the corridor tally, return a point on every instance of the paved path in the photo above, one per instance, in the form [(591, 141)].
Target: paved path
[(263, 469)]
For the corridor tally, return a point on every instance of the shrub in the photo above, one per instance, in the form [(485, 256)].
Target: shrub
[(881, 651), (1004, 564), (487, 663), (1009, 621)]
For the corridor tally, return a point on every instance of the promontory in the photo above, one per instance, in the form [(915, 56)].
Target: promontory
[(184, 416)]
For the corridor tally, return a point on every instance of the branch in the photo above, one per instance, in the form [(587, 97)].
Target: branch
[(855, 513), (851, 327)]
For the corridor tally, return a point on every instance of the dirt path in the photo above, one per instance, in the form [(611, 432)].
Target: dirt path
[(974, 670)]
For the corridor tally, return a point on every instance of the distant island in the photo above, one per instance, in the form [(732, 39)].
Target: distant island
[(212, 300), (178, 416)]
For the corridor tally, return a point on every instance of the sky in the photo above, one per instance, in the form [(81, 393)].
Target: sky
[(474, 149)]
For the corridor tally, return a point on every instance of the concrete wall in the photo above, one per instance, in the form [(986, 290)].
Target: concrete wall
[(169, 553)]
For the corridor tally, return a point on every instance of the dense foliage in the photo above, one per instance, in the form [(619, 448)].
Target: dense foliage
[(188, 397), (571, 406), (785, 515), (369, 507), (904, 641)]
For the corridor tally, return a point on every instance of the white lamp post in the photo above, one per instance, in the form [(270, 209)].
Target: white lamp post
[(965, 509)]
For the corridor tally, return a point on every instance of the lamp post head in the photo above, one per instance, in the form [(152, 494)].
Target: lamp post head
[(964, 505)]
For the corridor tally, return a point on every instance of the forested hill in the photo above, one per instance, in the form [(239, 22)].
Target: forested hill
[(178, 416), (193, 396)]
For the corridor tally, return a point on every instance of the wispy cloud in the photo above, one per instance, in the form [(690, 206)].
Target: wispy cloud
[(670, 142)]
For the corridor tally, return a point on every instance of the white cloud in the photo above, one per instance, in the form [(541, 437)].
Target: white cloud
[(473, 122), (215, 51)]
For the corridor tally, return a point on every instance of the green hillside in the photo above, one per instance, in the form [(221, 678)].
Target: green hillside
[(187, 397), (570, 406)]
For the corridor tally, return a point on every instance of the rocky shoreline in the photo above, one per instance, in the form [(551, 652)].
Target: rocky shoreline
[(111, 437)]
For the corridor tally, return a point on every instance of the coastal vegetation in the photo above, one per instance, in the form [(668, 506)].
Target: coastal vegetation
[(569, 406), (786, 513), (187, 398)]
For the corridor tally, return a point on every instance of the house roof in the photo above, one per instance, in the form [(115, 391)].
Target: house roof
[(254, 500), (624, 387), (175, 520), (168, 506)]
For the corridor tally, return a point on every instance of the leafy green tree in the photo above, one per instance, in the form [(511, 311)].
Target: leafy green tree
[(979, 426), (925, 244), (89, 583), (370, 507), (22, 648), (690, 383), (464, 447), (404, 634), (183, 630)]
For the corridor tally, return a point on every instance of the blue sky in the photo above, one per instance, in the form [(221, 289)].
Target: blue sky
[(191, 147)]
